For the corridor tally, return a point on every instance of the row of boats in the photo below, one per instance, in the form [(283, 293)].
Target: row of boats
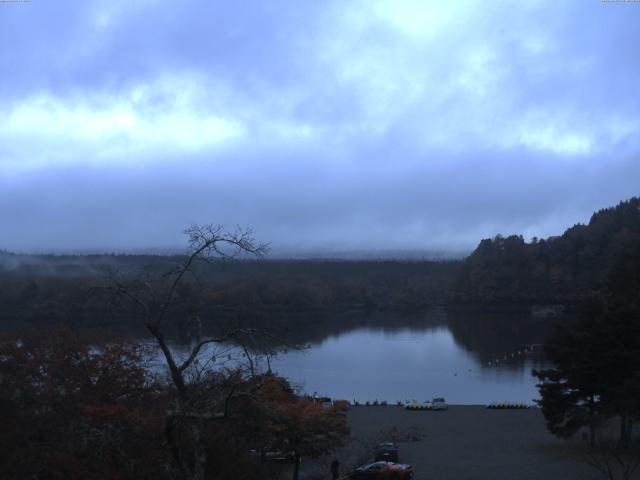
[(507, 405), (437, 403), (442, 406)]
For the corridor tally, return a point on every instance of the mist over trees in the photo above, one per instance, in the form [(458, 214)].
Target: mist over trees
[(504, 270), (79, 407), (75, 404)]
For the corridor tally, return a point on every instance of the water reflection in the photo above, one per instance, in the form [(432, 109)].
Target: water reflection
[(443, 355), (468, 356)]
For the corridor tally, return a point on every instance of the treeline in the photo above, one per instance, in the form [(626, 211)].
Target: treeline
[(504, 270), (595, 373), (78, 405), (51, 289), (297, 286), (561, 269)]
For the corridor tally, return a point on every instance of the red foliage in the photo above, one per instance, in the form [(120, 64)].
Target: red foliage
[(299, 423), (75, 409)]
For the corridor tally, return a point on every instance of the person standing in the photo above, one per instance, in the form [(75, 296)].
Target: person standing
[(335, 466)]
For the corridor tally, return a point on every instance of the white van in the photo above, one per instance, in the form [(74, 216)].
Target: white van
[(438, 403)]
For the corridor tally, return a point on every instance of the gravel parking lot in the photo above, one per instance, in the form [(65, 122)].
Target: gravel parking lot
[(472, 442)]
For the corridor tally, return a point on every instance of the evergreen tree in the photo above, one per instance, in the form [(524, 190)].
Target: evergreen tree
[(571, 391), (596, 371)]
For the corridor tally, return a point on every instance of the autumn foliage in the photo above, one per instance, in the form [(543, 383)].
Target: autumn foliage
[(72, 410), (74, 407)]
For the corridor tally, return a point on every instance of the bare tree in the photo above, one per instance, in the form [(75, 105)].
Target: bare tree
[(200, 395)]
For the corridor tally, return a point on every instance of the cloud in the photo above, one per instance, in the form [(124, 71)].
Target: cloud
[(366, 124), (105, 127)]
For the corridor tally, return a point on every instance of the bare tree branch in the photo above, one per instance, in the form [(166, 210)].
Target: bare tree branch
[(198, 392)]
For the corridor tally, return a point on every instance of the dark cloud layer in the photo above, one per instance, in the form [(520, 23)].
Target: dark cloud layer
[(324, 125)]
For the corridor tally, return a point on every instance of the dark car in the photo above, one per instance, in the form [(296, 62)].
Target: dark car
[(387, 452), (273, 456), (383, 471)]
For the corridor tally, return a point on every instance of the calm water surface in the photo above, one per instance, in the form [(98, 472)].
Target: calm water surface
[(468, 358), (412, 363)]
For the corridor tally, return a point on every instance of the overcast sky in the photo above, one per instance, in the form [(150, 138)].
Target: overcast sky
[(324, 125)]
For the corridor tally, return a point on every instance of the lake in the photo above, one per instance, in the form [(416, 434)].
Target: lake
[(369, 363), (468, 357)]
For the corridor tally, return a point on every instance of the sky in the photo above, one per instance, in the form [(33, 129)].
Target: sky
[(326, 126)]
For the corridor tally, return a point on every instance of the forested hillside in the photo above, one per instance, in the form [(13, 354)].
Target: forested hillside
[(559, 269), (50, 289), (53, 289)]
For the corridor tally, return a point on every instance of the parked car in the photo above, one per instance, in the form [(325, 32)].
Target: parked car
[(273, 456), (386, 452), (438, 403), (382, 471)]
